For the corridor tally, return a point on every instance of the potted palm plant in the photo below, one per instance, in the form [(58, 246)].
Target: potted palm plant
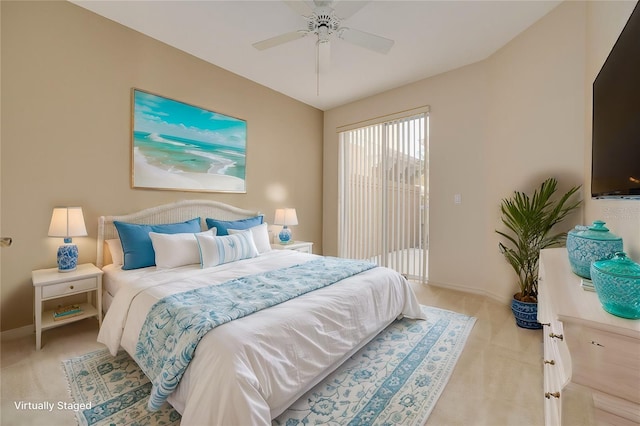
[(530, 222)]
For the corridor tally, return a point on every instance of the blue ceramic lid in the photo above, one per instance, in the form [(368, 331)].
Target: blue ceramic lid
[(619, 265), (597, 231)]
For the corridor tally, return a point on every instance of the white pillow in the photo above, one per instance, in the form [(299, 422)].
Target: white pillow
[(226, 248), (115, 249), (260, 236), (173, 250)]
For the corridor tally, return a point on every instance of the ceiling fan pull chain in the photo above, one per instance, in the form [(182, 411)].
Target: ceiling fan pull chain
[(318, 67)]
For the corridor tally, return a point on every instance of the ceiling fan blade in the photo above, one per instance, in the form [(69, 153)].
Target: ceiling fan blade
[(346, 8), (323, 49), (301, 7), (367, 40), (278, 40)]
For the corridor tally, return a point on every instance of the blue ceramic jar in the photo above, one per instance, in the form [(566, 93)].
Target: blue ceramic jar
[(617, 282), (587, 244)]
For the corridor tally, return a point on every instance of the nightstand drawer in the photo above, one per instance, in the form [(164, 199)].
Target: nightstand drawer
[(301, 246), (71, 287)]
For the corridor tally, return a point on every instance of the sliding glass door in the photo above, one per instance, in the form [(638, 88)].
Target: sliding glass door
[(384, 194)]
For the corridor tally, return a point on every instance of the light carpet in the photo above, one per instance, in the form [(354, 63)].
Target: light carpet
[(396, 379)]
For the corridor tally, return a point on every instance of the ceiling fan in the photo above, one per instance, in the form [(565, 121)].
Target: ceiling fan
[(324, 18)]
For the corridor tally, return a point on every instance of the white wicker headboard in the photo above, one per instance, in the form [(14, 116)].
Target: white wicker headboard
[(169, 213)]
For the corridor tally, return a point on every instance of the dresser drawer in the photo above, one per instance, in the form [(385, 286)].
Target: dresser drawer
[(605, 361), (71, 287), (556, 354), (553, 393)]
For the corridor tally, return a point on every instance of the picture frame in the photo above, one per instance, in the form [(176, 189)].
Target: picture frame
[(182, 147)]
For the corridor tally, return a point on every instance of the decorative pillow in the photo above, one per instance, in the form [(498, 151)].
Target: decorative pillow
[(224, 225), (228, 248), (260, 237), (115, 250), (136, 243), (173, 250)]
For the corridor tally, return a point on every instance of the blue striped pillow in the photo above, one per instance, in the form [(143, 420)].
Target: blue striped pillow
[(217, 250)]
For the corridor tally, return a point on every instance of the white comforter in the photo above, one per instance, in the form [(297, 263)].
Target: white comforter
[(250, 370)]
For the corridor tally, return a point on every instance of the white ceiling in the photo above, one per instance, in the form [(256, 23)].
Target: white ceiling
[(431, 37)]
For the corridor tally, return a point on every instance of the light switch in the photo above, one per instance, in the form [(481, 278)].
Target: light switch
[(457, 199)]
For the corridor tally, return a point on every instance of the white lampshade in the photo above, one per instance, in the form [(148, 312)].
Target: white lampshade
[(67, 222), (286, 217)]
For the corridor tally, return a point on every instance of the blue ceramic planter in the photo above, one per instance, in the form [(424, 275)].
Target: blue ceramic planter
[(526, 314), (587, 244)]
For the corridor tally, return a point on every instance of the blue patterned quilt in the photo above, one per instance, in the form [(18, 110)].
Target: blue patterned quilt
[(176, 324)]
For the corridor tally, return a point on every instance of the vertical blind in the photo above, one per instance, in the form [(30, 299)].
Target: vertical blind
[(383, 194)]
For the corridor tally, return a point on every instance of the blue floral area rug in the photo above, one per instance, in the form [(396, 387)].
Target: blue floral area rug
[(117, 390), (396, 379)]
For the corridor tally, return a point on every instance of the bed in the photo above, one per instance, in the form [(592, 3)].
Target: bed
[(250, 369)]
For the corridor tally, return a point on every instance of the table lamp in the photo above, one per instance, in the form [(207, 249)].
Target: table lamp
[(285, 217), (67, 222)]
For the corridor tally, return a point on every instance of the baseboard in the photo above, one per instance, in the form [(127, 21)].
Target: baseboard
[(16, 333), (480, 292)]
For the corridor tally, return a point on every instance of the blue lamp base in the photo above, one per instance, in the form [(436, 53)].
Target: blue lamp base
[(285, 235), (67, 258)]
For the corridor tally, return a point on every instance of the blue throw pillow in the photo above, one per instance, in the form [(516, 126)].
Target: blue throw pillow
[(136, 243), (223, 226)]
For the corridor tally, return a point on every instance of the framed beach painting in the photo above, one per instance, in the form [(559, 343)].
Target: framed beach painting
[(181, 147)]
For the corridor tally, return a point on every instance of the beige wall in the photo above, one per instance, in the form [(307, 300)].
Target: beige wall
[(536, 123), (67, 76), (499, 125), (458, 129)]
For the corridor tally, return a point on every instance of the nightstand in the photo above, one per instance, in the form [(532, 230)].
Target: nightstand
[(301, 246), (50, 284)]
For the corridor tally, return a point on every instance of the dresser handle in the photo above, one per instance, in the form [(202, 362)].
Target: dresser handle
[(548, 395), (556, 336), (552, 362), (545, 323), (597, 344), (70, 287)]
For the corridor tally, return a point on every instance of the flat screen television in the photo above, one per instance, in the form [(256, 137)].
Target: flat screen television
[(615, 167)]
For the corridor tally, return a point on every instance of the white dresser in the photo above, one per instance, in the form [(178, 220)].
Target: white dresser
[(585, 345)]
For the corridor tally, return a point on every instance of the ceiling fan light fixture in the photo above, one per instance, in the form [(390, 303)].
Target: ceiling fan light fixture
[(324, 21), (323, 18)]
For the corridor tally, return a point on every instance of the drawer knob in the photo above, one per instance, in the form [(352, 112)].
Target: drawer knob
[(548, 395), (550, 362), (71, 287), (556, 336), (597, 344)]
